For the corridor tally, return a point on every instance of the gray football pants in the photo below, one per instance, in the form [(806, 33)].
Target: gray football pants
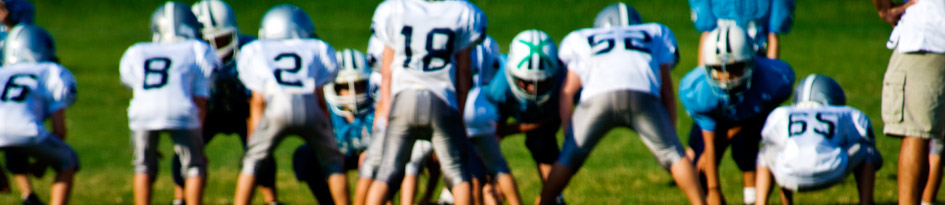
[(639, 111), (187, 144), (421, 114), (301, 117)]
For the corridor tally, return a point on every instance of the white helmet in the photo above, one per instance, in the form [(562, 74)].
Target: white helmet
[(173, 22), (353, 75), (728, 57), (28, 43), (219, 27), (617, 14), (532, 62), (286, 21)]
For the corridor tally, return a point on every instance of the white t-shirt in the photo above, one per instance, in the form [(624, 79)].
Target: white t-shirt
[(425, 36), (921, 28), (292, 66), (165, 77), (807, 145), (619, 58), (29, 93)]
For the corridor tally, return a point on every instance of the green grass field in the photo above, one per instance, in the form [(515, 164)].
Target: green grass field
[(842, 38)]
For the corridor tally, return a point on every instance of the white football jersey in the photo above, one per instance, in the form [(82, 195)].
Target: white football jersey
[(813, 143), (425, 36), (286, 67), (30, 93), (619, 58), (165, 77), (375, 53), (486, 61)]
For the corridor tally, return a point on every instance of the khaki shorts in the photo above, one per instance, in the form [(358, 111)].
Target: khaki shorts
[(914, 95)]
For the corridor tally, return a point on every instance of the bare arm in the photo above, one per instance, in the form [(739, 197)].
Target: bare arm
[(572, 84), (891, 12), (59, 123), (774, 46), (710, 167), (666, 93), (201, 103), (320, 93), (257, 105), (699, 53), (382, 108), (463, 77)]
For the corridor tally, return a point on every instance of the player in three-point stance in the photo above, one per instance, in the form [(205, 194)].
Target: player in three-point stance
[(623, 69), (816, 142), (425, 69), (285, 70), (35, 88), (729, 98), (169, 77)]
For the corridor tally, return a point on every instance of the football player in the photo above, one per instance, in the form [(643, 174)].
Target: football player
[(285, 70), (228, 106), (816, 142), (169, 77), (729, 98), (352, 115), (622, 67), (764, 20), (36, 88), (426, 76), (526, 88), (17, 12)]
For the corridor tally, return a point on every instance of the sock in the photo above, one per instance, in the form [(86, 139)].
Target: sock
[(749, 195), (926, 203)]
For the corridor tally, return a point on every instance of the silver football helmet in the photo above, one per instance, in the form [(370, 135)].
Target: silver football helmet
[(349, 92), (28, 43), (617, 14), (729, 58), (286, 21), (219, 27), (532, 65), (172, 22), (818, 89)]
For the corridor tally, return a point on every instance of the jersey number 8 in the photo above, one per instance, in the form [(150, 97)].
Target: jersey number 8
[(441, 52), (156, 66)]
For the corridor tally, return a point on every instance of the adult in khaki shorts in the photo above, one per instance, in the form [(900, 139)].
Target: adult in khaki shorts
[(913, 91)]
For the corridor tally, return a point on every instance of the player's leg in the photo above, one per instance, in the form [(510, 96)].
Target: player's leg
[(645, 114), (266, 174), (63, 159), (18, 165), (543, 145), (259, 146), (209, 131), (935, 171), (588, 125), (452, 147), (305, 165), (422, 150), (864, 163), (787, 196), (188, 144), (487, 146), (398, 139), (317, 133), (744, 153), (145, 160), (763, 183), (370, 165)]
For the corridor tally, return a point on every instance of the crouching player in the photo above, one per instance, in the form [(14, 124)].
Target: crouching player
[(624, 71), (169, 78), (285, 71), (352, 114), (728, 99), (36, 88), (816, 142)]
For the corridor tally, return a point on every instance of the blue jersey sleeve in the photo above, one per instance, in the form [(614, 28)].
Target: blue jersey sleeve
[(780, 77), (698, 98), (496, 91), (781, 16), (702, 16)]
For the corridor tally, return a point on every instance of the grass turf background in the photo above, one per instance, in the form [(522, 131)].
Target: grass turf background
[(842, 38)]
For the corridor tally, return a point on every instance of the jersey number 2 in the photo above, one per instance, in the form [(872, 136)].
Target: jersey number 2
[(297, 65), (443, 53)]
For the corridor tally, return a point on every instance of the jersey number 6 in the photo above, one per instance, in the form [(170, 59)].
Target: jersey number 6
[(12, 85)]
